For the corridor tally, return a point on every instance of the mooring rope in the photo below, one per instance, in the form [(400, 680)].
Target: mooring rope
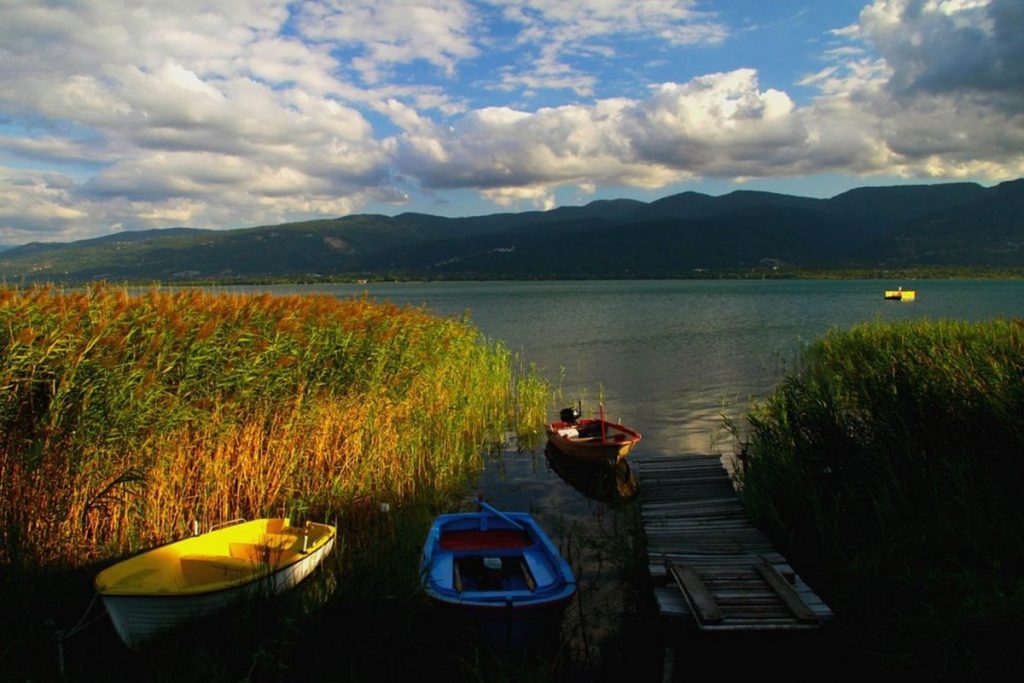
[(63, 635)]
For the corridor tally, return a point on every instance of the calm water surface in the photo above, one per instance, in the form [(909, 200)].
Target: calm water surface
[(669, 358)]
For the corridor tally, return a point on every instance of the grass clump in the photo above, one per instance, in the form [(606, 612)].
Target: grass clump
[(890, 467)]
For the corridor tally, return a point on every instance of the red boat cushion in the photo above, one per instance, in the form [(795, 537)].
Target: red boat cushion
[(480, 540)]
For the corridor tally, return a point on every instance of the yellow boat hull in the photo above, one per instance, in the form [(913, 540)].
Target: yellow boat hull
[(160, 589), (900, 294)]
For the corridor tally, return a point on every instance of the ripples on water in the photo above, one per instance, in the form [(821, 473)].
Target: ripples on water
[(669, 358)]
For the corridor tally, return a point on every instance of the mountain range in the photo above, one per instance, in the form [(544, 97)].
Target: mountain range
[(961, 225)]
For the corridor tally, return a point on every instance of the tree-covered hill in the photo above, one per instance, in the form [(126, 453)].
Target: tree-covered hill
[(915, 226)]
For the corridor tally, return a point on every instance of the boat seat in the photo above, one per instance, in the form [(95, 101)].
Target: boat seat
[(442, 571), (198, 569), (279, 541), (472, 539), (260, 553), (540, 569)]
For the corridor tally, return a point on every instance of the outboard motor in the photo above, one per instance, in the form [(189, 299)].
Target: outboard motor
[(569, 415)]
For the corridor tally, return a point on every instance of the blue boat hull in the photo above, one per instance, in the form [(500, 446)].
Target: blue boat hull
[(500, 572)]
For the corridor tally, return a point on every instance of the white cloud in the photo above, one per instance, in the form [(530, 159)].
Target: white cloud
[(501, 151), (258, 111), (547, 73), (676, 21), (944, 98), (553, 30), (959, 47), (720, 125), (286, 60), (50, 148), (191, 114), (387, 33), (539, 197), (725, 114), (37, 206)]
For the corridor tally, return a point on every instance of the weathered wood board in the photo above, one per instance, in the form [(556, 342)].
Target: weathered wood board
[(711, 566)]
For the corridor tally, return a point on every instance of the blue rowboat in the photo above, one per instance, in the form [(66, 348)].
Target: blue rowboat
[(499, 570)]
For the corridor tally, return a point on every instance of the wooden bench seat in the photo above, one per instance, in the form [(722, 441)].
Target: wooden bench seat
[(198, 569)]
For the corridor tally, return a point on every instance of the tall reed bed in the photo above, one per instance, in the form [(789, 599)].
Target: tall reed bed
[(124, 418), (890, 464)]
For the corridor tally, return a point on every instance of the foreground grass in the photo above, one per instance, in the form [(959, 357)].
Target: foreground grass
[(890, 467), (125, 419)]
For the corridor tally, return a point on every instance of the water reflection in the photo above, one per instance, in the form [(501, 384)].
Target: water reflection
[(600, 481), (673, 356), (670, 358)]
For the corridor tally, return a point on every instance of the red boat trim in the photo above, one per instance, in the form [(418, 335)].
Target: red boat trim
[(472, 539)]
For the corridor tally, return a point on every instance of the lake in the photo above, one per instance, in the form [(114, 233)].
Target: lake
[(669, 358)]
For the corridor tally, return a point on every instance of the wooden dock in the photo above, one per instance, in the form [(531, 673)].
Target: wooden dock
[(711, 567)]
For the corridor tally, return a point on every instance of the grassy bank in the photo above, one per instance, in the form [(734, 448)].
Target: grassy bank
[(889, 466), (126, 418)]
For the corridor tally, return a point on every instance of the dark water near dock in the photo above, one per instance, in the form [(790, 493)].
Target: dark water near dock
[(669, 358)]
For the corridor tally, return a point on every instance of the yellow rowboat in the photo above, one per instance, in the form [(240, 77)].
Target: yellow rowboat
[(159, 589), (900, 294)]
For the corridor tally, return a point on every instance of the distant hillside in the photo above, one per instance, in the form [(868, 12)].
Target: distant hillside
[(959, 224), (988, 230)]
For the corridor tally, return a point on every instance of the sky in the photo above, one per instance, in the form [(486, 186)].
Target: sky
[(133, 115)]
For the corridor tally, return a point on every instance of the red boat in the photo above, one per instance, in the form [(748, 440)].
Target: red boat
[(591, 439)]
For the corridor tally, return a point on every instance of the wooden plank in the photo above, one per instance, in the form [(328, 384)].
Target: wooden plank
[(708, 535), (683, 503), (715, 566), (654, 504), (659, 543), (671, 602), (701, 601), (710, 515), (789, 596), (658, 570), (761, 626), (706, 551), (669, 480), (689, 538), (725, 526)]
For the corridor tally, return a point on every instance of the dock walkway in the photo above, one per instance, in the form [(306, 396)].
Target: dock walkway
[(710, 565)]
